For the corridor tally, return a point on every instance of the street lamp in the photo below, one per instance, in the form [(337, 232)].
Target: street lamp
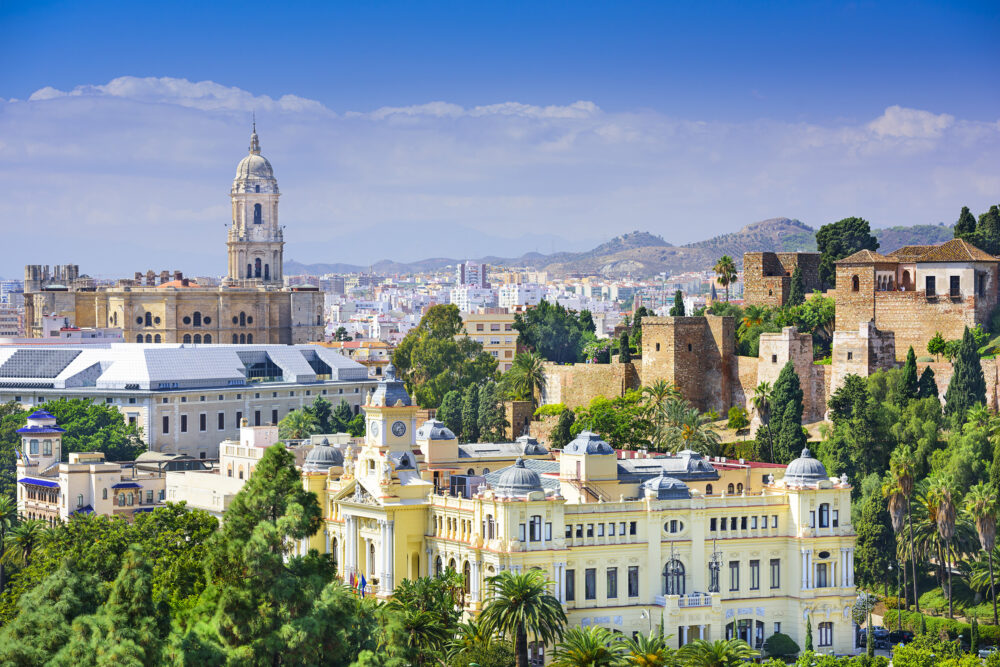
[(673, 573), (714, 565)]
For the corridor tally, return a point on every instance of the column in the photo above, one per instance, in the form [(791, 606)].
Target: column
[(701, 632), (811, 582), (805, 571), (390, 552), (327, 534), (474, 584), (382, 574), (850, 566), (684, 635), (429, 565), (843, 567)]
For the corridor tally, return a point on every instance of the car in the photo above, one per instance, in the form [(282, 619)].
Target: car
[(901, 636), (987, 651)]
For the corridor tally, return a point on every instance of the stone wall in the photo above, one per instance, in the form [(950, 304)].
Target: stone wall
[(744, 374), (861, 352), (695, 354), (541, 429), (518, 415), (767, 276), (776, 350), (577, 385)]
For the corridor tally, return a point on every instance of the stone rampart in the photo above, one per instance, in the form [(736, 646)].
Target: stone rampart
[(576, 385)]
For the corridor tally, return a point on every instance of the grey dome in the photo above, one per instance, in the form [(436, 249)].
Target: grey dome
[(390, 390), (531, 447), (805, 470), (322, 458), (667, 488), (432, 429), (518, 481), (588, 443), (254, 166)]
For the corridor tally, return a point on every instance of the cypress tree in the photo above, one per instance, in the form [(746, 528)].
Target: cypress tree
[(876, 542), (797, 291), (342, 416), (492, 421), (965, 228), (322, 410), (786, 415), (470, 414), (561, 435), (450, 412), (910, 382), (677, 310), (926, 386), (973, 636), (967, 386), (988, 231), (624, 353), (809, 633)]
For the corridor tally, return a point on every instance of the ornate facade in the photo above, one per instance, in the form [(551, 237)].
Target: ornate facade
[(708, 548)]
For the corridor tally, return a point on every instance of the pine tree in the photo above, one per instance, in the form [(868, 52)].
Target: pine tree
[(492, 422), (342, 416), (677, 310), (561, 434), (965, 228), (797, 291), (967, 386), (470, 414), (786, 415), (450, 412), (624, 353), (809, 633), (927, 386), (910, 382)]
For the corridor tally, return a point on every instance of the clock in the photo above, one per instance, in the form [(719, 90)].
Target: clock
[(374, 429), (398, 429)]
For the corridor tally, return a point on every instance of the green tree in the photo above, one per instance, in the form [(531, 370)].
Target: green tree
[(837, 240), (622, 421), (561, 434), (797, 290), (809, 633), (899, 491), (967, 386), (911, 385), (762, 406), (551, 331), (470, 414), (592, 646), (492, 419), (322, 411), (786, 415), (526, 377), (988, 231), (973, 635), (677, 310), (297, 425), (725, 271), (624, 351), (340, 335), (981, 505), (8, 519), (342, 416), (720, 653), (587, 321), (965, 228), (128, 629), (936, 345), (521, 606), (927, 385), (450, 412), (876, 545), (780, 645), (647, 650), (436, 357), (22, 540)]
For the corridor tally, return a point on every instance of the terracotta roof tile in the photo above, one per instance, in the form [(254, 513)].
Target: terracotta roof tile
[(956, 250), (867, 257)]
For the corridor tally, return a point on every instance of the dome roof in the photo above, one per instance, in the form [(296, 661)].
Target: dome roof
[(531, 447), (432, 429), (805, 470), (390, 391), (588, 443), (322, 458), (667, 488), (518, 481), (254, 166)]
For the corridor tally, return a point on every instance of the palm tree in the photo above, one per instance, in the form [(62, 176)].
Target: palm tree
[(8, 519), (720, 653), (903, 466), (940, 490), (22, 540), (657, 393), (593, 646), (527, 375), (725, 268), (469, 637), (417, 634), (297, 425), (762, 406), (981, 505), (521, 604), (648, 650), (753, 315), (897, 513)]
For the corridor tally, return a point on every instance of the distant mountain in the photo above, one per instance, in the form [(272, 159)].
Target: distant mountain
[(642, 254)]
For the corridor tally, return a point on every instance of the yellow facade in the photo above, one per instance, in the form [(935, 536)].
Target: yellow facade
[(625, 548), (496, 332)]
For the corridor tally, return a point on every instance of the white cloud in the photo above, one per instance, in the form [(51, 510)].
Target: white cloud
[(134, 174)]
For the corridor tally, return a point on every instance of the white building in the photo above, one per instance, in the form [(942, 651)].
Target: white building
[(471, 299), (511, 296), (473, 274)]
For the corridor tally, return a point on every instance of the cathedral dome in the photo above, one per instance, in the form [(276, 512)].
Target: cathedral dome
[(254, 166)]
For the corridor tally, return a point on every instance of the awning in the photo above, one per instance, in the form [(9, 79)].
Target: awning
[(39, 482), (86, 509), (127, 485)]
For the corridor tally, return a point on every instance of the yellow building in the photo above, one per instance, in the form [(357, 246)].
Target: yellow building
[(496, 332), (709, 550)]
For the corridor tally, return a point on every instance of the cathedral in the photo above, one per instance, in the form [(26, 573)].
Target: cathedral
[(251, 305)]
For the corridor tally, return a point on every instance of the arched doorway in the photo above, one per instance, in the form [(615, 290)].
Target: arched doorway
[(673, 578)]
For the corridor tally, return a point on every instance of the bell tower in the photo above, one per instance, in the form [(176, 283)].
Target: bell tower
[(255, 242)]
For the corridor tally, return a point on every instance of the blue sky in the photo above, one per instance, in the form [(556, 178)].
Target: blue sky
[(523, 126)]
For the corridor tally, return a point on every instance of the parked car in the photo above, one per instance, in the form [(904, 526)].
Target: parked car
[(987, 651), (901, 637)]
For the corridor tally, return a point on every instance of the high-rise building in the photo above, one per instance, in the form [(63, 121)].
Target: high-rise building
[(473, 274)]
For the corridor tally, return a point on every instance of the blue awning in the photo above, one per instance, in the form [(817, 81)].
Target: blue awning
[(144, 509), (127, 485), (40, 430), (39, 482), (86, 509)]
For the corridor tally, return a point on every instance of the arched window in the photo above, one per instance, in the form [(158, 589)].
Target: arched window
[(438, 567), (79, 500), (46, 448), (470, 471), (196, 316), (467, 577), (490, 526), (229, 470), (240, 472), (131, 499), (187, 338), (121, 499), (739, 488), (855, 284), (157, 339), (34, 447), (486, 471), (730, 489), (149, 338), (257, 214), (236, 338), (708, 489), (256, 268), (149, 319), (197, 338), (267, 272), (249, 271), (138, 338), (906, 280), (104, 495), (243, 319), (673, 578), (333, 546), (208, 338), (452, 565), (243, 339), (249, 339), (824, 515)]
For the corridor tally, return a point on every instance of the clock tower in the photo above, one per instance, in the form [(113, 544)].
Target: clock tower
[(390, 429)]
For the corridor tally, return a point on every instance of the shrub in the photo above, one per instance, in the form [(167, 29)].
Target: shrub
[(936, 627), (738, 419), (551, 410), (780, 645), (926, 360)]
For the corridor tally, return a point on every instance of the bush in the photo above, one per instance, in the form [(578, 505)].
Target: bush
[(936, 627), (780, 645), (926, 360), (825, 361), (738, 419), (551, 410)]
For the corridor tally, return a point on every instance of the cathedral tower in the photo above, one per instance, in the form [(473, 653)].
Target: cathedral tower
[(255, 240)]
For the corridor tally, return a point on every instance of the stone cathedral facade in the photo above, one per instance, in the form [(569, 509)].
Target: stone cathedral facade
[(251, 305)]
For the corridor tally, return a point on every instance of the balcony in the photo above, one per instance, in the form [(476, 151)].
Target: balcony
[(689, 601)]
